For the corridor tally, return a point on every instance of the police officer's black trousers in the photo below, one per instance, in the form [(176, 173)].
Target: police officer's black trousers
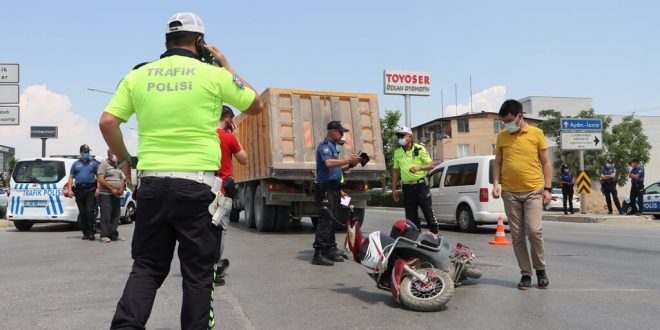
[(567, 196), (637, 198), (419, 195), (325, 233), (171, 210), (86, 203), (609, 189)]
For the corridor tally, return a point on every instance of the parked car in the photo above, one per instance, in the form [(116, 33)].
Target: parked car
[(4, 198), (651, 198), (461, 193), (557, 202)]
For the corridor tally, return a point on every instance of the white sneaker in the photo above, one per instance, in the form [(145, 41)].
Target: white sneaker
[(105, 240)]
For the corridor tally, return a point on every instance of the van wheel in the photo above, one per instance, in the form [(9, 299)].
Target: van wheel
[(465, 219), (264, 215), (249, 206), (23, 225), (130, 214)]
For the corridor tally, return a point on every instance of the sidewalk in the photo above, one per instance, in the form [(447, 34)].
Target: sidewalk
[(599, 218)]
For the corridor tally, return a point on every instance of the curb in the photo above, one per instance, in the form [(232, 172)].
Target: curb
[(600, 218), (383, 208)]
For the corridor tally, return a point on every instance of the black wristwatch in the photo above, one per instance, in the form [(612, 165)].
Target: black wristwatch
[(547, 189)]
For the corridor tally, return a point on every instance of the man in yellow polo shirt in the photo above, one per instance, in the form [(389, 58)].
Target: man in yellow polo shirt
[(412, 163), (177, 101), (523, 167)]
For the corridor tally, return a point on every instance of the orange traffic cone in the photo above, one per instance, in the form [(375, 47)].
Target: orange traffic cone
[(500, 237)]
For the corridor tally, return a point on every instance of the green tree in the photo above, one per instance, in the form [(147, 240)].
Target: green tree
[(389, 125), (617, 144)]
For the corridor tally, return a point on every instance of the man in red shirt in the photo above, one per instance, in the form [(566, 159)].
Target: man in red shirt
[(229, 147)]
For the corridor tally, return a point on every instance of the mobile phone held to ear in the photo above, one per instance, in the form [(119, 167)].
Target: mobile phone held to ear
[(204, 54)]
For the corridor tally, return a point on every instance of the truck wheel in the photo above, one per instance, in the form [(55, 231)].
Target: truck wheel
[(427, 297), (282, 217), (23, 225), (249, 206), (465, 220), (264, 215)]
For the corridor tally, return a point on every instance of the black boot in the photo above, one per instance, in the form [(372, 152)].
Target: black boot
[(334, 255), (320, 259)]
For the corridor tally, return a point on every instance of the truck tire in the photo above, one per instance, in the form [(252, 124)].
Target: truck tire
[(249, 206), (264, 215), (23, 225), (282, 217), (427, 297), (465, 219)]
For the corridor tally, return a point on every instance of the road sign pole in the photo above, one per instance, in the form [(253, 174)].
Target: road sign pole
[(406, 99), (43, 147), (583, 195)]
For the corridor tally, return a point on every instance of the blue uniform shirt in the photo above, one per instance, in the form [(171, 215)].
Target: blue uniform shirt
[(327, 150), (640, 171), (566, 177), (84, 172), (607, 171)]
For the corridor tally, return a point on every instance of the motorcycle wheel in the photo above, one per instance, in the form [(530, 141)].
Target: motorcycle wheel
[(471, 271), (428, 297)]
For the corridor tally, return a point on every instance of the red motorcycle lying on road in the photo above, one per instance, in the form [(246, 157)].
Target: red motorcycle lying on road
[(419, 269)]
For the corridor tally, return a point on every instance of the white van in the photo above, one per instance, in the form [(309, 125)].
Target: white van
[(37, 194), (461, 192)]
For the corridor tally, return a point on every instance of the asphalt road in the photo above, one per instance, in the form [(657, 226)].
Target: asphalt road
[(601, 277)]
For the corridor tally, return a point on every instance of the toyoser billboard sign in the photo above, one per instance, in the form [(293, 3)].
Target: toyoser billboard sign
[(407, 83)]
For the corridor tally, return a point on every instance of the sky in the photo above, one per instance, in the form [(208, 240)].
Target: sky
[(606, 50)]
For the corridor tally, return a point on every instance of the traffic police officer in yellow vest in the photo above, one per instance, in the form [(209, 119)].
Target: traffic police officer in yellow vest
[(412, 163), (177, 101)]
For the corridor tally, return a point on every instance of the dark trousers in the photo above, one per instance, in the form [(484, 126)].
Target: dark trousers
[(110, 212), (324, 238), (567, 196), (419, 196), (171, 210), (86, 204), (637, 198), (609, 189)]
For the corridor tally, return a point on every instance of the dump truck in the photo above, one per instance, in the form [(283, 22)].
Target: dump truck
[(277, 184)]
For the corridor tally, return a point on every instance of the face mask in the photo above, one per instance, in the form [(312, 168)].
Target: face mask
[(114, 159), (566, 171), (403, 142), (608, 165), (85, 156), (512, 127)]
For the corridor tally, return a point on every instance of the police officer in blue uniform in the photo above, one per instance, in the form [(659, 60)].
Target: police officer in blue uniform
[(82, 180), (567, 184), (637, 187), (608, 182), (328, 179)]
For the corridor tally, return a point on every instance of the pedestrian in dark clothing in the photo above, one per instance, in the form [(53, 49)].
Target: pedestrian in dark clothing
[(567, 184), (637, 187), (608, 181), (82, 180)]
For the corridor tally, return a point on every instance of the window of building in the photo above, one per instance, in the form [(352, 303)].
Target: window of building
[(499, 125), (463, 125), (461, 175), (463, 150)]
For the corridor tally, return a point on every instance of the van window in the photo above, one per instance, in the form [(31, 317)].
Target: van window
[(461, 175), (490, 170), (435, 177), (39, 171)]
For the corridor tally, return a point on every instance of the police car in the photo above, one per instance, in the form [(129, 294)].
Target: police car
[(651, 198), (37, 194)]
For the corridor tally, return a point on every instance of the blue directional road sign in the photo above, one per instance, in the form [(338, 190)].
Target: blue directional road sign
[(581, 124)]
